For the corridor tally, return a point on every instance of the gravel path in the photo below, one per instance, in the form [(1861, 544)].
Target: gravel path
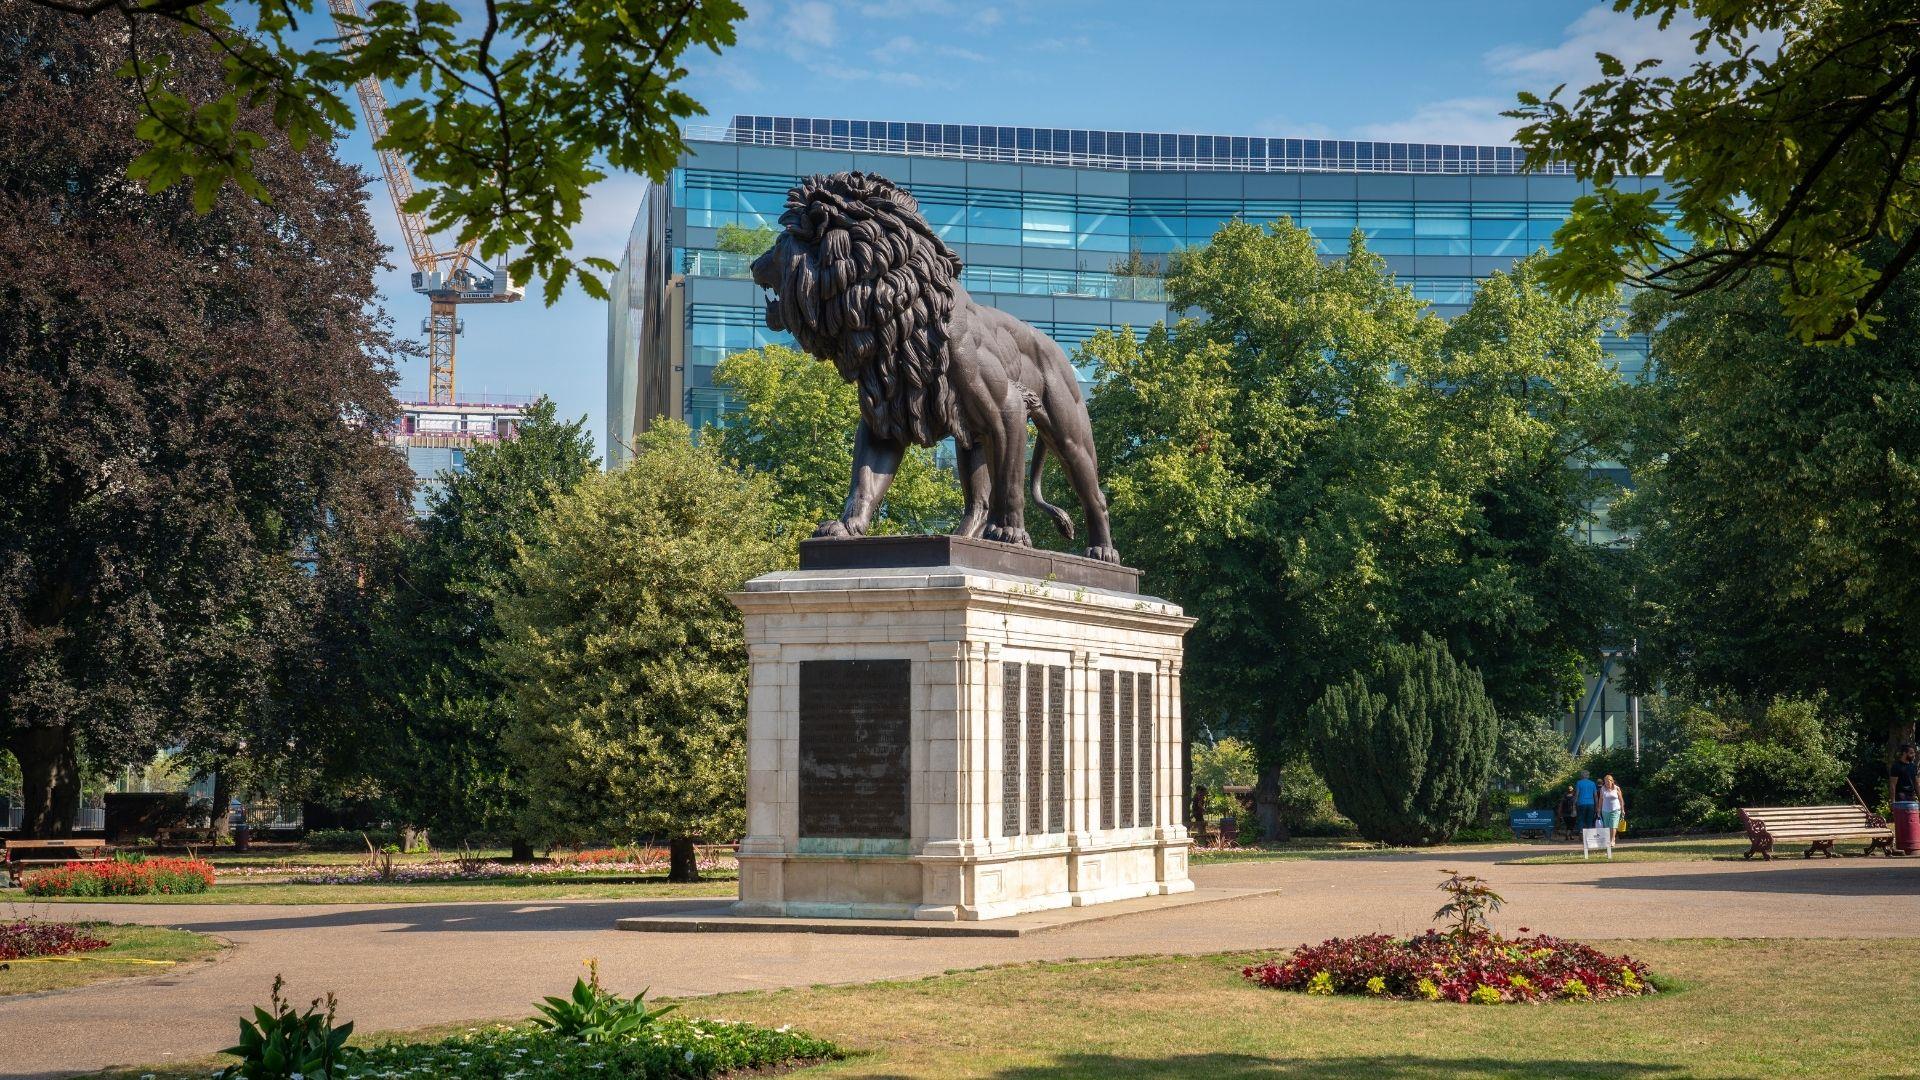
[(402, 966)]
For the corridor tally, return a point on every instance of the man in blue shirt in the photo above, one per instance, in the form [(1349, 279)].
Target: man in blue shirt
[(1585, 800)]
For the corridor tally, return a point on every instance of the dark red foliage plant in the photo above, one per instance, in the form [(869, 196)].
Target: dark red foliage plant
[(23, 939)]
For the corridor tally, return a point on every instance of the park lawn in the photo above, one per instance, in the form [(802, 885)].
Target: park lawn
[(1742, 1008), (1746, 1008), (119, 960), (584, 887), (1693, 849)]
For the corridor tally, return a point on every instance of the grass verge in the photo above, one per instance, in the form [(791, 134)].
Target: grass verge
[(583, 887), (133, 950), (1729, 1009)]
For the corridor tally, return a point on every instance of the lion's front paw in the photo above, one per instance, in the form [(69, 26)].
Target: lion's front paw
[(833, 530), (1104, 554), (1007, 534)]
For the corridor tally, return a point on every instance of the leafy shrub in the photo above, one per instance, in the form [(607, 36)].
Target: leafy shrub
[(1406, 746), (1306, 804), (672, 1049), (122, 877), (24, 938), (288, 1045), (1695, 782), (1529, 753), (349, 839), (594, 1014)]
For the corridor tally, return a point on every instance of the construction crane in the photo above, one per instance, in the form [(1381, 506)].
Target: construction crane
[(446, 278)]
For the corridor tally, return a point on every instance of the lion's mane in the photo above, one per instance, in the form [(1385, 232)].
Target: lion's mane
[(867, 284)]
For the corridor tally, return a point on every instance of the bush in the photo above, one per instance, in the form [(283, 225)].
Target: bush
[(24, 938), (1407, 746), (350, 839), (121, 877), (1306, 804), (673, 1048), (1694, 784)]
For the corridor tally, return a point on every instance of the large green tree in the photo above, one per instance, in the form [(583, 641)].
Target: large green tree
[(508, 110), (1775, 501), (1322, 466), (628, 661), (440, 759), (1792, 165), (193, 483), (795, 422), (1407, 744)]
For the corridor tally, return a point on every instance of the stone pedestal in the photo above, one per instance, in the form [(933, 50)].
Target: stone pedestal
[(949, 729)]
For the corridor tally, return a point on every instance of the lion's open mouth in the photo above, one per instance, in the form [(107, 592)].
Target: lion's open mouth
[(774, 320)]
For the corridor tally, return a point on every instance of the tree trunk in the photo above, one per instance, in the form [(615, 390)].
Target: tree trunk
[(49, 780), (1266, 805), (218, 826), (682, 862), (522, 849)]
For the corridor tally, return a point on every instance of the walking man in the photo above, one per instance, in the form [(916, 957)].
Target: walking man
[(1586, 796)]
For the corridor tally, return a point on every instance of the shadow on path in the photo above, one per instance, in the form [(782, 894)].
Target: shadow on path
[(1373, 1067), (1800, 877), (482, 917)]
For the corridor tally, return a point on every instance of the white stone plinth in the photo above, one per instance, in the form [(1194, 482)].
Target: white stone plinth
[(1008, 811)]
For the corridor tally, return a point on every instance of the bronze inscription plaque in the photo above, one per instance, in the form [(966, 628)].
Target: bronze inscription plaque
[(855, 770)]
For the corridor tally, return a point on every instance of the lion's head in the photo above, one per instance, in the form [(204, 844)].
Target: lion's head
[(859, 278)]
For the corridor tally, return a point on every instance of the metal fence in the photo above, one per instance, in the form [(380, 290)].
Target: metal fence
[(86, 819)]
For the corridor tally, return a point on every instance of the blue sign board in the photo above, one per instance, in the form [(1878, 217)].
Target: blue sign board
[(1523, 822)]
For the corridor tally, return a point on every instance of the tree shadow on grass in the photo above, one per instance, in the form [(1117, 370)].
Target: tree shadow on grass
[(1370, 1067)]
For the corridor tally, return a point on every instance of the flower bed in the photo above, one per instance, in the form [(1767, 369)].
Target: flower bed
[(26, 938), (671, 1048), (398, 872), (121, 878), (1482, 967)]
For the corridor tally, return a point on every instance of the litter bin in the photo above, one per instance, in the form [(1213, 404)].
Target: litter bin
[(1906, 827), (242, 837)]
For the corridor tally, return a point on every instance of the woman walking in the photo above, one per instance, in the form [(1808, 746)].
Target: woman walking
[(1613, 806)]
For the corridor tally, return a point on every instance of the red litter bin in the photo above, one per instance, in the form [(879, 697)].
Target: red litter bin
[(1906, 827)]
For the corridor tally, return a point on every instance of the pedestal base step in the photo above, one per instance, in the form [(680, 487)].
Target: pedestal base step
[(720, 919)]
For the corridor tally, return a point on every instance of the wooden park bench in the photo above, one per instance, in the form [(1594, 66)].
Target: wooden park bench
[(1820, 827), (21, 854)]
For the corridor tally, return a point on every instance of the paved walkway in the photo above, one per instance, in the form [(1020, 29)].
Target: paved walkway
[(402, 966)]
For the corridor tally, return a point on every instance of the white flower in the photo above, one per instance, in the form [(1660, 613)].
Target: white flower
[(689, 1057)]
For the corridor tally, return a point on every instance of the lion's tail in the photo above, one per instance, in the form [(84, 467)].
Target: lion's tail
[(1059, 516)]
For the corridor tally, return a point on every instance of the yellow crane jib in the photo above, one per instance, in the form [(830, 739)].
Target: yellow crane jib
[(446, 278)]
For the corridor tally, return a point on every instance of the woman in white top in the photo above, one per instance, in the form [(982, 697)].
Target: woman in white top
[(1613, 806)]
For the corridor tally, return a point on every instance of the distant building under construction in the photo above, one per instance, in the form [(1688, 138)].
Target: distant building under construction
[(436, 437)]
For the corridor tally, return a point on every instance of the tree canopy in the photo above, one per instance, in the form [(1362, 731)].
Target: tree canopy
[(1794, 164), (1322, 466), (627, 660), (507, 113), (1775, 495), (439, 756), (194, 490), (794, 423)]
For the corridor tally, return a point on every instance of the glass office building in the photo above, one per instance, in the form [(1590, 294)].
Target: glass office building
[(1047, 221)]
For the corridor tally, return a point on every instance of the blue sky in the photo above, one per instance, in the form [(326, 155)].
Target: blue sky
[(1415, 71)]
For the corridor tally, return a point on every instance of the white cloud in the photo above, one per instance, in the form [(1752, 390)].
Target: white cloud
[(905, 9), (810, 25), (1514, 67), (1598, 29), (985, 19), (1071, 43), (1474, 120)]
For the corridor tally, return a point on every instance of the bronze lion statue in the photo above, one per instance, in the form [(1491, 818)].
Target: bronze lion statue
[(859, 278)]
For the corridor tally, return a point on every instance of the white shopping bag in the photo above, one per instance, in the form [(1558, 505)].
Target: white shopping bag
[(1592, 840)]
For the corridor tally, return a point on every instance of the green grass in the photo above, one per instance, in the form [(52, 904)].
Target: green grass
[(580, 887), (1695, 849), (1748, 1009), (119, 960), (1744, 1008)]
